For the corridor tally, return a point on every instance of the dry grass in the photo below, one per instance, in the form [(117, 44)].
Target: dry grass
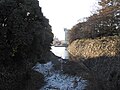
[(98, 60), (104, 73), (92, 48)]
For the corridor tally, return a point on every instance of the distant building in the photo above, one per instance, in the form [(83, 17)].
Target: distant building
[(62, 43), (56, 42), (66, 35)]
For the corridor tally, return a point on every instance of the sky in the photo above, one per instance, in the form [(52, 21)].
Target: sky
[(66, 13)]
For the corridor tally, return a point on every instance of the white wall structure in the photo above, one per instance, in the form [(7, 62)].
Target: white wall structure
[(66, 35)]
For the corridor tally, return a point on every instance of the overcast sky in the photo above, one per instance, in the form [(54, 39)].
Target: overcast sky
[(65, 13)]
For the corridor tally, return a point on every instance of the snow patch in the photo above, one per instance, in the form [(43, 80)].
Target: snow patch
[(55, 80), (28, 13)]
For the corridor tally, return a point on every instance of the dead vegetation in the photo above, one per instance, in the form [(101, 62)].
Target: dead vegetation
[(104, 73), (97, 60), (92, 48)]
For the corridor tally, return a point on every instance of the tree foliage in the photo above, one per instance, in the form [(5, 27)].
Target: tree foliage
[(24, 31), (105, 23), (25, 38), (110, 15)]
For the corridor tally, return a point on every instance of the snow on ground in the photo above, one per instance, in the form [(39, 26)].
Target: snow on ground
[(55, 80)]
